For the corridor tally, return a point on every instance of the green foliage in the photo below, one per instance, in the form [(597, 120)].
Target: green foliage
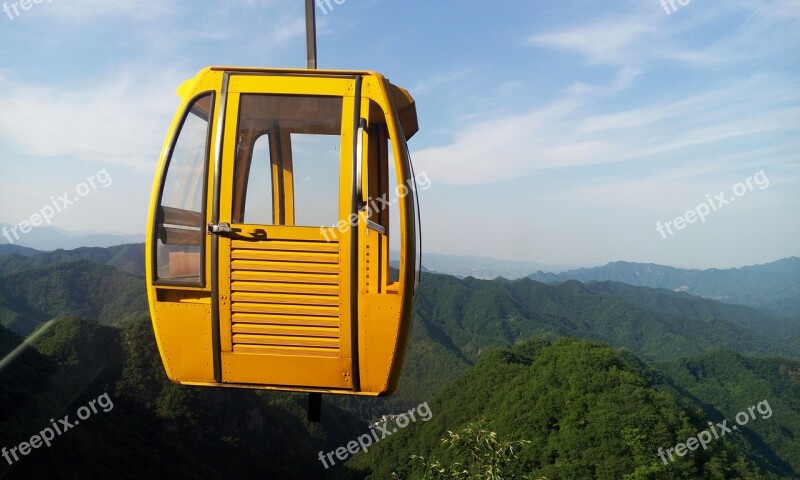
[(81, 288), (125, 258), (480, 455), (156, 429), (727, 383), (574, 409), (582, 409), (457, 320)]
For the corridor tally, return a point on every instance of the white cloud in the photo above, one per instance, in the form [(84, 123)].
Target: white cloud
[(567, 133), (604, 42), (118, 120)]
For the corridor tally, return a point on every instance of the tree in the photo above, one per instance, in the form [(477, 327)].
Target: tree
[(479, 454)]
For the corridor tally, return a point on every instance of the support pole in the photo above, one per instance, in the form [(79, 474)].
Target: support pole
[(311, 35), (314, 407)]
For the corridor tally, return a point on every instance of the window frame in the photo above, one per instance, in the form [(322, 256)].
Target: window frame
[(202, 282)]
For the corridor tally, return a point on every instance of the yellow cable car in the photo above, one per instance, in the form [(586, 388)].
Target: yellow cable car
[(279, 196)]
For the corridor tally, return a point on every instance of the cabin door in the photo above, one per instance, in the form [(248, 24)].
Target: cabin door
[(283, 231)]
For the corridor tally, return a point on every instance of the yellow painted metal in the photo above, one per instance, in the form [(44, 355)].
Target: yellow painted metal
[(283, 290)]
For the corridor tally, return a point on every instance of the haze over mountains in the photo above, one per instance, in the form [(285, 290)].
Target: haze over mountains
[(685, 359), (48, 238), (773, 287)]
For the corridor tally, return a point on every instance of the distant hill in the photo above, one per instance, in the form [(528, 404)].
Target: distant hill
[(456, 320), (684, 304), (482, 267), (458, 323), (155, 429), (126, 258), (773, 287), (33, 296), (6, 249), (586, 411), (52, 238)]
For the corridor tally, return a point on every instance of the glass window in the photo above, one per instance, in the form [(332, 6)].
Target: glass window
[(287, 160), (316, 178), (180, 216), (258, 192)]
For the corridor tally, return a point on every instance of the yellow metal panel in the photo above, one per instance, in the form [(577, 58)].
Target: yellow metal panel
[(286, 340), (278, 266), (182, 329), (379, 324), (310, 257), (291, 85), (289, 331), (286, 370), (284, 350), (184, 332), (285, 277), (267, 287), (276, 298), (276, 308), (281, 319), (289, 246)]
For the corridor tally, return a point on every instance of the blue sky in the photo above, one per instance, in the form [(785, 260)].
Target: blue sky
[(554, 131)]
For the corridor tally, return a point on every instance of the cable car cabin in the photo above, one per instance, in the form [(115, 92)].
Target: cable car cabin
[(279, 196)]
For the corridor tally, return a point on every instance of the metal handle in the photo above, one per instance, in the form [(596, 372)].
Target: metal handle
[(222, 229)]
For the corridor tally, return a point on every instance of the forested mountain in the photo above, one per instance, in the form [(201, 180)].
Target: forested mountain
[(211, 433), (773, 287), (127, 258), (730, 382), (154, 429), (686, 305), (586, 411), (457, 319), (81, 288), (10, 249)]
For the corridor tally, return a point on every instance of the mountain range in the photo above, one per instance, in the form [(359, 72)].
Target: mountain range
[(49, 238), (773, 287), (623, 357)]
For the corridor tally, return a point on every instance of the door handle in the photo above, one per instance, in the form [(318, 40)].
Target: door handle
[(222, 229), (226, 230)]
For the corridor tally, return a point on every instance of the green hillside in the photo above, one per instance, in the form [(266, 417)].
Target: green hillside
[(126, 258), (81, 288), (155, 429), (729, 382), (585, 411), (456, 320), (187, 432), (686, 305)]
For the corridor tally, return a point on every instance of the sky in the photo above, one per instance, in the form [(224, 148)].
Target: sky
[(559, 131)]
